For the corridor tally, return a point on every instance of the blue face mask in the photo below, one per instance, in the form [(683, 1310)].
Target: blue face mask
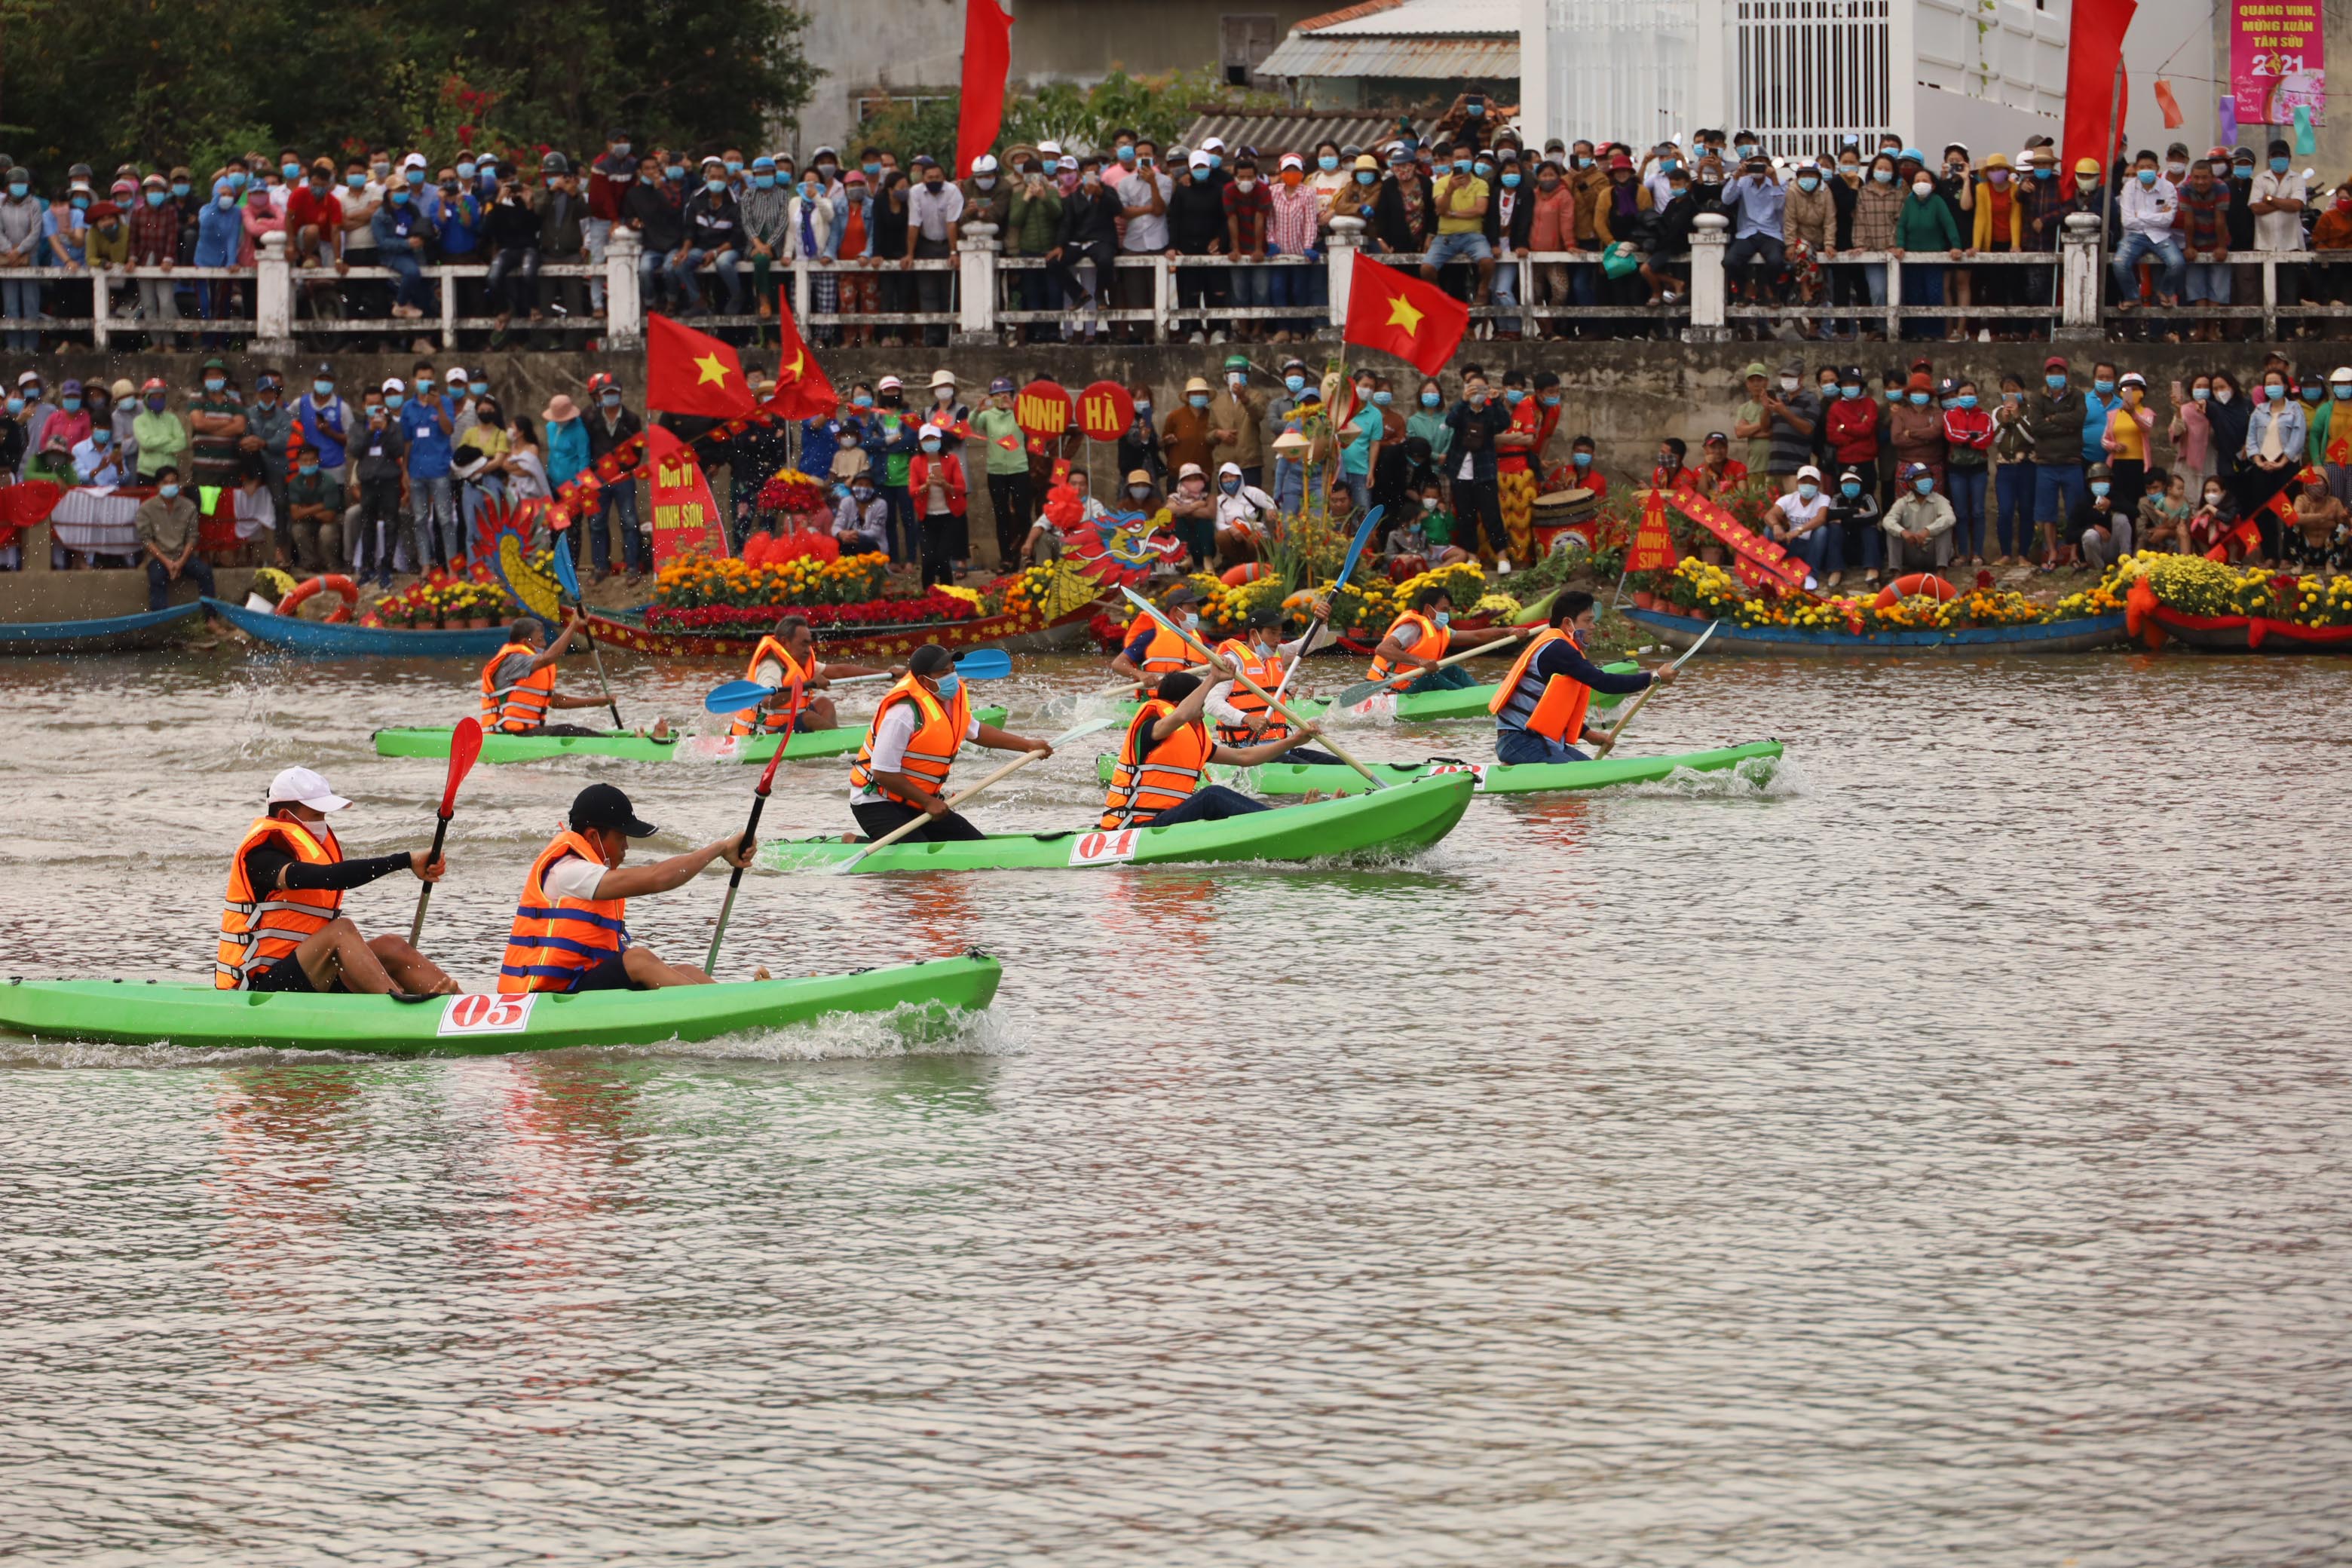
[(1482, 168), (323, 388), (2201, 393), (1295, 383), (1429, 400), (82, 204), (1851, 490), (1919, 400), (734, 166), (2102, 386), (154, 198), (226, 201), (2100, 487), (1808, 181), (167, 491), (1384, 398), (1366, 177), (308, 469), (1142, 409), (213, 384), (1197, 399), (1849, 392), (1443, 617), (2054, 383), (400, 198), (1327, 163), (100, 437), (1669, 165), (1884, 176), (1807, 489), (1510, 182), (1581, 459), (2147, 176), (763, 182), (69, 404), (1127, 154), (674, 171), (236, 179), (465, 171), (2278, 166), (948, 682), (290, 171), (873, 171), (1461, 165), (478, 388), (356, 182), (393, 400), (1216, 159), (862, 400), (15, 406), (1924, 486), (930, 445), (714, 187), (1966, 400), (1512, 394)]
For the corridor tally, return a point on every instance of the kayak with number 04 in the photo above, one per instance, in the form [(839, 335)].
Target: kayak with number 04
[(1493, 778), (501, 748), (128, 1012), (1392, 822), (1420, 707)]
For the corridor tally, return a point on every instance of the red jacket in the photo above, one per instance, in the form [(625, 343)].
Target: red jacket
[(1970, 428), (609, 179), (919, 481), (1853, 432)]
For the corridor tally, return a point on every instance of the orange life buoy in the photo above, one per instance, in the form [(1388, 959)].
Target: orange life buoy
[(1925, 582), (292, 603), (1238, 576)]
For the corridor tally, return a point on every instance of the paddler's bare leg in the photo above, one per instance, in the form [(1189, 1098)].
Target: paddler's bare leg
[(336, 951), (411, 970), (645, 969)]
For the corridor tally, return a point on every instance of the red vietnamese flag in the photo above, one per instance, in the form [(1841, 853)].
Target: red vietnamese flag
[(987, 64), (803, 389), (2097, 91), (693, 373), (1418, 322)]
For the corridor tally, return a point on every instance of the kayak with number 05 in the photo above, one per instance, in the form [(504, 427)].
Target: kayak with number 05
[(130, 1012), (1493, 778), (499, 748), (1422, 707), (1392, 822)]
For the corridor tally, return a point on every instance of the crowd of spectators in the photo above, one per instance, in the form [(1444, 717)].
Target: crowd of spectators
[(720, 230)]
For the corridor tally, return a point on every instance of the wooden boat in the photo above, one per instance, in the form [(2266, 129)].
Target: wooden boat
[(108, 634), (2239, 633), (319, 639), (1014, 634), (2048, 636)]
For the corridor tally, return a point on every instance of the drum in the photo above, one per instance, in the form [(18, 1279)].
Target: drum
[(1565, 519)]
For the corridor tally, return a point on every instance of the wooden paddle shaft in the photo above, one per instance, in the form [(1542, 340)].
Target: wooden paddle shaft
[(610, 703), (425, 893), (1276, 709)]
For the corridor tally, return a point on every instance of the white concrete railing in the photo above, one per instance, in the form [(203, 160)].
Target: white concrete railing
[(984, 293)]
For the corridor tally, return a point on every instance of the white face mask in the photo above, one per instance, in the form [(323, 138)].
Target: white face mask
[(1788, 384)]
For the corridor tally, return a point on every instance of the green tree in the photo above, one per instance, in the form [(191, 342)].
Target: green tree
[(1082, 120)]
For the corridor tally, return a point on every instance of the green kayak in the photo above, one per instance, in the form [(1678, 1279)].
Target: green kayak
[(1419, 706), (1392, 822), (127, 1013), (500, 748), (1492, 778)]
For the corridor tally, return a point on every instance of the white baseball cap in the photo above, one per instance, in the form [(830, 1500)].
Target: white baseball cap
[(305, 789), (1809, 472), (394, 385), (984, 165)]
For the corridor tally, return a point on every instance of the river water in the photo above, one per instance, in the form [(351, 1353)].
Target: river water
[(1938, 1154)]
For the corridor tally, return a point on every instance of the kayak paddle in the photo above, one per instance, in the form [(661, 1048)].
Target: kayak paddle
[(980, 664), (751, 828), (1276, 709), (1126, 688), (1610, 739), (1007, 771), (1347, 569), (568, 576), (465, 745), (1364, 688)]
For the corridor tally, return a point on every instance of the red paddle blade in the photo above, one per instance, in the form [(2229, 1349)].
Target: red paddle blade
[(465, 745)]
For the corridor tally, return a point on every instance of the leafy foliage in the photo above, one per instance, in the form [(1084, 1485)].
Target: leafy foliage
[(160, 84), (1082, 119)]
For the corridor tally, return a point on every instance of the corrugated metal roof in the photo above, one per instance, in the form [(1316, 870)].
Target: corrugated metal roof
[(1422, 19), (1299, 129), (1478, 59)]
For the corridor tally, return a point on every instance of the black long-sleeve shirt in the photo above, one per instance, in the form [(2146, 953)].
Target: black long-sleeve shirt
[(263, 861), (1562, 658)]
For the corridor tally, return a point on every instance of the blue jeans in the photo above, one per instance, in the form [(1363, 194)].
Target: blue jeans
[(1822, 550), (407, 281), (1965, 490), (653, 277), (2207, 282), (1253, 284), (1304, 284), (1210, 803), (622, 498), (158, 581), (2012, 485), (431, 499), (1516, 746), (1289, 485), (1450, 247), (1923, 285), (20, 298), (1505, 291), (1358, 488), (682, 277), (2058, 489), (2171, 266)]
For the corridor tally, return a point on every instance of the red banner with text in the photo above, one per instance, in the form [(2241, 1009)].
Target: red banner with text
[(1754, 560), (685, 515), (1653, 549)]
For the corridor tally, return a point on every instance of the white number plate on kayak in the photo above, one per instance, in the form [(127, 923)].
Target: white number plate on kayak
[(1104, 848), (1379, 705), (475, 1014), (1477, 772)]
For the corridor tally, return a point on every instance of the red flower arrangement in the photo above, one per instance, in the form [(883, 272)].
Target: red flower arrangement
[(792, 491), (876, 612)]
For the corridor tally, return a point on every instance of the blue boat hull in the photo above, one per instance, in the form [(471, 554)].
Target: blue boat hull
[(317, 639), (110, 633), (2052, 637)]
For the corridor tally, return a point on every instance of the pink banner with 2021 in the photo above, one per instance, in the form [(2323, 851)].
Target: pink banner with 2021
[(2278, 61)]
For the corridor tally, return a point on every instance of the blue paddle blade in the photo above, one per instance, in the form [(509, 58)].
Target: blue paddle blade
[(984, 664), (735, 696), (565, 573), (1363, 537)]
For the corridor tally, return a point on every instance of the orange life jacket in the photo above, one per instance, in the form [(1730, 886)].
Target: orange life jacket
[(258, 927), (520, 708), (780, 715), (1167, 651), (1265, 668), (1146, 783), (933, 751), (1428, 646), (1550, 706), (553, 944)]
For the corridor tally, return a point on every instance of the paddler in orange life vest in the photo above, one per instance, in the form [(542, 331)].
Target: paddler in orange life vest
[(1418, 638), (1157, 782), (901, 771), (1240, 717), (571, 930), (784, 654), (517, 685), (1151, 650), (282, 926), (1540, 707)]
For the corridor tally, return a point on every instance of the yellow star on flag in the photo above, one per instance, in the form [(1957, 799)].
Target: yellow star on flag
[(712, 368), (1403, 314), (793, 371)]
